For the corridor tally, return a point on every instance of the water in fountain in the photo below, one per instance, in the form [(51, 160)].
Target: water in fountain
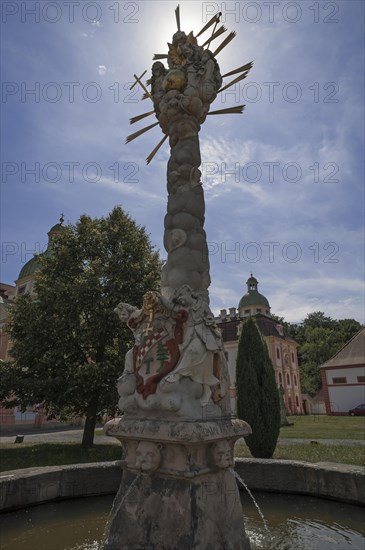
[(240, 480), (295, 522), (116, 511)]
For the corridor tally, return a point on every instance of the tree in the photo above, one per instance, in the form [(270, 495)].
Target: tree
[(162, 355), (319, 338), (68, 345), (257, 395)]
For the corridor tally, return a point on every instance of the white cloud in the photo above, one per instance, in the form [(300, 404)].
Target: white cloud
[(102, 70)]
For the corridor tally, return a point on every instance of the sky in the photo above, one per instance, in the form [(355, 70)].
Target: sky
[(284, 181)]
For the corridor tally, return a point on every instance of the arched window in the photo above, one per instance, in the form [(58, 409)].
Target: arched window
[(278, 353), (292, 357), (288, 379), (295, 380), (280, 378), (297, 400)]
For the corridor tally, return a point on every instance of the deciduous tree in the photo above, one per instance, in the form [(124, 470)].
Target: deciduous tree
[(68, 345)]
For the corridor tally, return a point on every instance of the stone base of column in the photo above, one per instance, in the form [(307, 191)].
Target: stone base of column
[(177, 491)]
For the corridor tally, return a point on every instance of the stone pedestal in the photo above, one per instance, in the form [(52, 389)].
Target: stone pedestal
[(178, 490)]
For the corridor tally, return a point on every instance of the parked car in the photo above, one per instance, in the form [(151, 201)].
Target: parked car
[(357, 411)]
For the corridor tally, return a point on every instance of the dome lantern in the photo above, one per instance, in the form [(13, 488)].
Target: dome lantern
[(253, 302)]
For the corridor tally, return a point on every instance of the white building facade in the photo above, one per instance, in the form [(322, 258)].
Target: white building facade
[(343, 377)]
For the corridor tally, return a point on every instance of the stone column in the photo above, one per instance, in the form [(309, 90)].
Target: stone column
[(178, 490)]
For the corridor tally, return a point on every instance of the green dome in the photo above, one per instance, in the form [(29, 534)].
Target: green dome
[(253, 298), (56, 227), (29, 268)]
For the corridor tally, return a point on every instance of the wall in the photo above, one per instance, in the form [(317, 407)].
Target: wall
[(342, 397), (22, 488)]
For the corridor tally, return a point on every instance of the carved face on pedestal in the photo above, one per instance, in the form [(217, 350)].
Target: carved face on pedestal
[(222, 455), (148, 456)]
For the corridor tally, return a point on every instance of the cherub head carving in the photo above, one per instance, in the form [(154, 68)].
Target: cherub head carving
[(222, 454), (148, 456)]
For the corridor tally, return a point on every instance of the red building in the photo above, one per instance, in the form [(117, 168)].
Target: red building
[(282, 348), (24, 284)]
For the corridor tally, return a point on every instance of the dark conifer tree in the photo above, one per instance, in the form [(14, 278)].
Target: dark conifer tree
[(257, 395)]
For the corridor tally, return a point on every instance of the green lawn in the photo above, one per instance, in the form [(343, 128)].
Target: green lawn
[(313, 453), (27, 455), (325, 427)]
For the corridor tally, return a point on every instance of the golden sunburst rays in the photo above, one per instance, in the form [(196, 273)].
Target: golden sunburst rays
[(214, 19), (139, 81), (246, 67), (137, 118), (138, 78), (177, 15), (154, 151), (241, 71), (214, 35), (225, 42), (238, 79), (131, 137), (238, 110), (158, 56)]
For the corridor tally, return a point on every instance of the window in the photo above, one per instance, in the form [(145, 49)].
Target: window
[(288, 379), (278, 353), (258, 309), (247, 311), (226, 354), (361, 379), (292, 357), (295, 380), (280, 378), (297, 400), (339, 380)]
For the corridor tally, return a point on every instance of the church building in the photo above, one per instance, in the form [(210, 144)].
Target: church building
[(24, 284), (282, 348)]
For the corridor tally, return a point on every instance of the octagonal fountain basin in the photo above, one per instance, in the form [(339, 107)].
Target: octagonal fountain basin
[(287, 493), (294, 523)]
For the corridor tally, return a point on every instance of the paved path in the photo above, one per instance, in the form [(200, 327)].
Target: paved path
[(344, 442), (75, 435), (58, 437)]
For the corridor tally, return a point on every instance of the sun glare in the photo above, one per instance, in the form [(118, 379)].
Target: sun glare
[(191, 19)]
